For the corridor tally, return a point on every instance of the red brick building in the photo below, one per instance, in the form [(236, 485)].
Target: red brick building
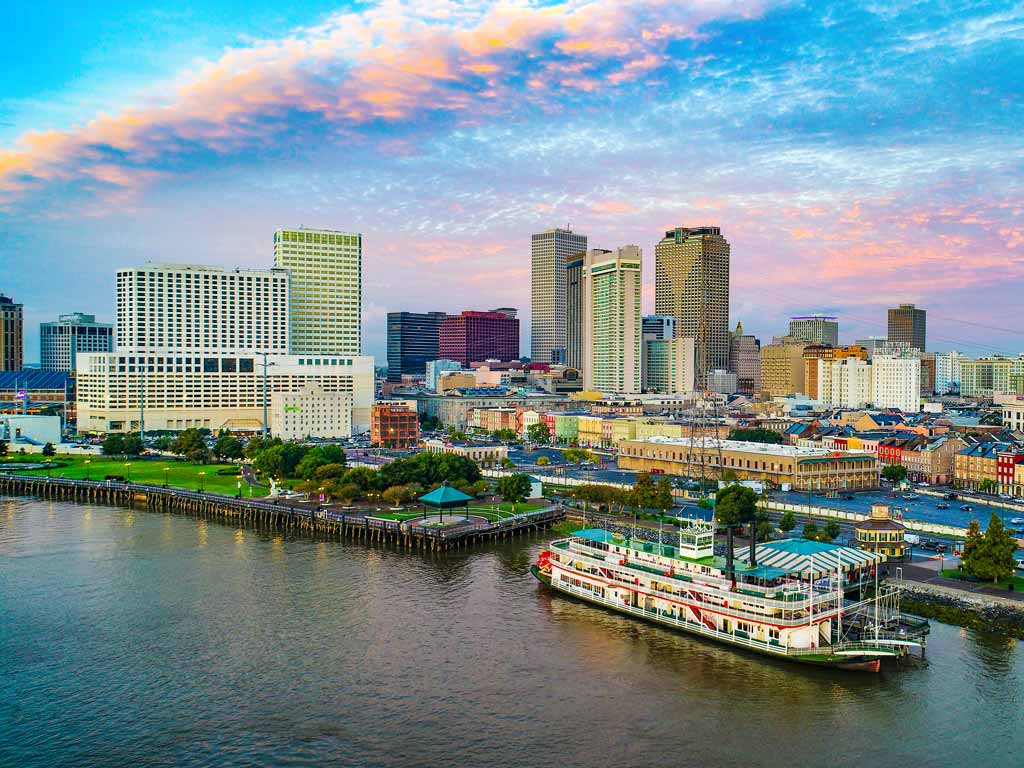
[(394, 424), (479, 336)]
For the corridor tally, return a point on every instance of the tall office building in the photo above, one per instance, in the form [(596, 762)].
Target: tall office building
[(612, 322), (907, 326), (60, 342), (896, 380), (549, 252), (178, 307), (817, 329), (574, 312), (692, 284), (667, 365), (191, 344), (782, 367), (412, 342), (659, 327), (745, 361), (477, 336), (872, 344), (325, 269), (12, 324), (947, 371)]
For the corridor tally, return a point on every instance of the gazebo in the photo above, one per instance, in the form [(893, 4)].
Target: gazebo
[(446, 497)]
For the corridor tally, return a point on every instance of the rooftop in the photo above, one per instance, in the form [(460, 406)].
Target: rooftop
[(742, 446)]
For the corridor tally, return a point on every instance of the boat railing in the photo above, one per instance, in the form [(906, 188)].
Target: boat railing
[(787, 592), (800, 613)]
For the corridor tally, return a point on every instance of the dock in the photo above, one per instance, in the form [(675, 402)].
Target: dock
[(278, 515)]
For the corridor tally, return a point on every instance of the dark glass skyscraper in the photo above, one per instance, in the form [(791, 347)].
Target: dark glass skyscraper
[(412, 342)]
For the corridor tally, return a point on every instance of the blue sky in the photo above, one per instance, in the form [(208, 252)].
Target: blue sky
[(856, 155)]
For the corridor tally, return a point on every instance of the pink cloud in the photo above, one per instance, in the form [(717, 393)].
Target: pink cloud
[(390, 62)]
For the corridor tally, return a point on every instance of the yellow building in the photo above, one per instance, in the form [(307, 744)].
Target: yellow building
[(804, 468), (882, 535), (782, 367)]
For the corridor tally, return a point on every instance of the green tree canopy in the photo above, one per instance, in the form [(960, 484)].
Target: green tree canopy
[(788, 522), (192, 444), (736, 505), (894, 473), (991, 559), (810, 530), (538, 433), (644, 494), (543, 461), (757, 435), (663, 498), (227, 446), (514, 488)]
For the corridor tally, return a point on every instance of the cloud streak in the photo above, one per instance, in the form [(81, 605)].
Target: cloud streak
[(358, 77)]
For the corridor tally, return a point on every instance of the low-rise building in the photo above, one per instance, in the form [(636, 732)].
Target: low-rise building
[(931, 460), (881, 534), (484, 454), (985, 465), (311, 412), (812, 469), (494, 419), (394, 424), (180, 390), (31, 430)]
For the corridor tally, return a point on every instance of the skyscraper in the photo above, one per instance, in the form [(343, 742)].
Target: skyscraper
[(178, 307), (325, 269), (549, 251), (907, 326), (692, 284), (745, 361), (817, 329), (612, 320), (477, 336), (574, 312), (659, 327), (412, 342), (12, 350), (60, 342)]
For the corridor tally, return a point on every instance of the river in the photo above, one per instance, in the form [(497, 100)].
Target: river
[(142, 639)]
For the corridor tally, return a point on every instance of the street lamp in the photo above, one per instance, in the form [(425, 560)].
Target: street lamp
[(238, 485), (128, 468), (202, 478), (166, 470), (87, 462)]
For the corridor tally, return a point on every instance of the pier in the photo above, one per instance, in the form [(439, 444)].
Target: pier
[(278, 514)]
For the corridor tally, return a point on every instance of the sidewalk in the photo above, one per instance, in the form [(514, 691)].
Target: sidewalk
[(927, 574)]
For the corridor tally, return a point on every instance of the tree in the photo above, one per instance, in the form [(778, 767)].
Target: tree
[(3, 447), (507, 463), (737, 505), (514, 488), (348, 492), (988, 485), (894, 473), (539, 433), (810, 530), (397, 495), (543, 461), (258, 444), (328, 472), (506, 435), (971, 543), (992, 556), (788, 522), (49, 450), (757, 435), (227, 446), (192, 444), (133, 445), (663, 498), (113, 445), (832, 530)]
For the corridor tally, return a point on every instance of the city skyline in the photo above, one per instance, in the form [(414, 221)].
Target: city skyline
[(829, 169)]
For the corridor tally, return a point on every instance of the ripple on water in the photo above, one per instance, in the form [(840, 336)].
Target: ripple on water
[(146, 639)]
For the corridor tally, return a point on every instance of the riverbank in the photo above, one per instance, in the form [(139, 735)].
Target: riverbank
[(963, 610)]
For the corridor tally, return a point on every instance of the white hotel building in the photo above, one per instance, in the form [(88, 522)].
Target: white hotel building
[(192, 341)]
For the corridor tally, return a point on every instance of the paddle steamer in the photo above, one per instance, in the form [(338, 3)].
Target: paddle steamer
[(792, 604)]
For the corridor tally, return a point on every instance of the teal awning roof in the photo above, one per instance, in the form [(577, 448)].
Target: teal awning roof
[(810, 558), (446, 496)]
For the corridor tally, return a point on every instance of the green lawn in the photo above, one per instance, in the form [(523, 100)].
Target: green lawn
[(1017, 581), (180, 474)]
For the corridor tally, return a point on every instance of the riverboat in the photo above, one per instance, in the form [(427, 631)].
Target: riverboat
[(790, 602)]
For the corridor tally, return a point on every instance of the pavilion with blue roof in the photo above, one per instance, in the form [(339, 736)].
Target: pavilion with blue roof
[(445, 497)]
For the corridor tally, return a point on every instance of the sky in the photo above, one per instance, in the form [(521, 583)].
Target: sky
[(855, 154)]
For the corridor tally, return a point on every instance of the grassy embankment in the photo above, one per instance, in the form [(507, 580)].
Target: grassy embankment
[(215, 478)]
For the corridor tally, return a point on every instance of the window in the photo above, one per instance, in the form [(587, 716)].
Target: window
[(210, 365)]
